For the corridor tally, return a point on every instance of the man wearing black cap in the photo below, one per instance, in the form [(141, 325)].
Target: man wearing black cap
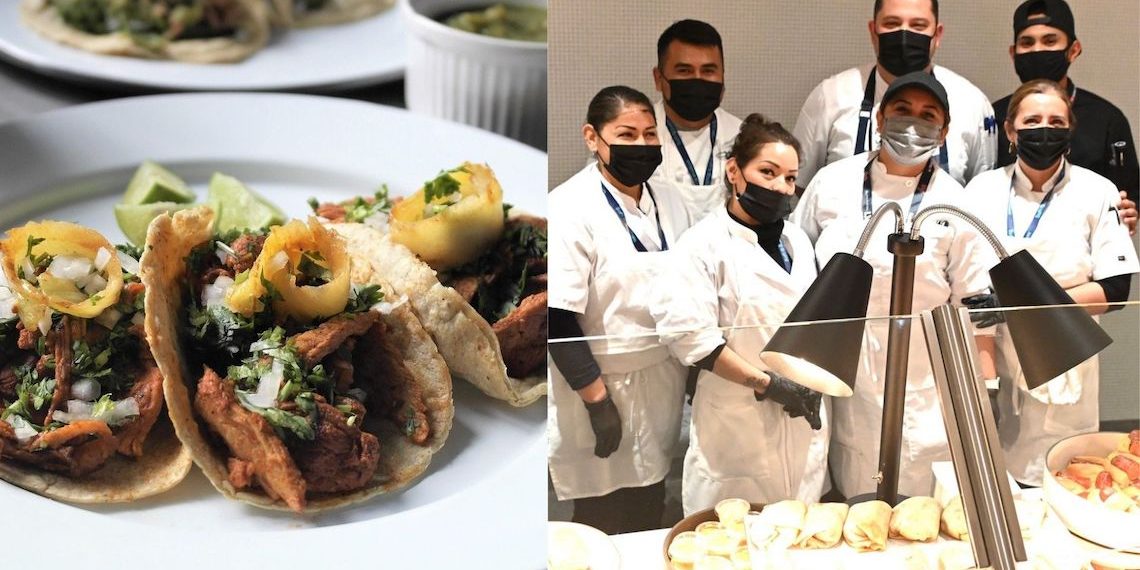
[(837, 119), (913, 121), (1044, 45)]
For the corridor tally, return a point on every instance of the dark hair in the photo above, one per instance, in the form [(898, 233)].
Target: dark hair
[(608, 103), (879, 7), (693, 32), (1039, 87), (755, 132)]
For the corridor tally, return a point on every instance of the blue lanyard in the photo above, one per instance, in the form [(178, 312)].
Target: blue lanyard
[(863, 138), (685, 153), (1040, 209), (915, 200), (785, 259), (621, 216)]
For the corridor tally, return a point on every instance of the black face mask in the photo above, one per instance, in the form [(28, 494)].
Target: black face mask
[(1041, 147), (1051, 65), (632, 164), (694, 99), (764, 205), (904, 51)]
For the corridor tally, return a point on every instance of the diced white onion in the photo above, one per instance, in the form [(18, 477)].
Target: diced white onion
[(102, 258), (86, 389), (215, 293), (29, 271), (128, 263), (109, 317), (78, 410), (44, 325), (69, 267), (268, 386), (278, 261), (23, 430), (222, 251), (377, 221), (387, 307), (95, 283), (7, 303), (137, 319)]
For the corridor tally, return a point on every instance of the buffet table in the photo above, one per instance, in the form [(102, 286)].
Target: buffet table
[(1052, 541)]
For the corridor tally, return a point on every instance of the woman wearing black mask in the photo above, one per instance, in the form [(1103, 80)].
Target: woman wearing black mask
[(614, 411), (1067, 217), (742, 269)]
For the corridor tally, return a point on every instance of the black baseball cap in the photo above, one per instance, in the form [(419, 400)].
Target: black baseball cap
[(923, 80), (1052, 13)]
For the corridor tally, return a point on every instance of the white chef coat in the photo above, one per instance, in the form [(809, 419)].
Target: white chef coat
[(954, 264), (673, 176), (1079, 238), (828, 123), (739, 447), (596, 272)]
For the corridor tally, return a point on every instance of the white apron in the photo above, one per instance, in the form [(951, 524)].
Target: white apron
[(857, 420), (673, 175), (740, 447), (646, 384), (1033, 420)]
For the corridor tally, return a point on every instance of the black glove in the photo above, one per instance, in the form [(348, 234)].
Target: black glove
[(797, 400), (985, 301), (606, 423)]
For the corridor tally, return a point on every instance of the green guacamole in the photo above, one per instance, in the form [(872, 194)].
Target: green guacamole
[(507, 21)]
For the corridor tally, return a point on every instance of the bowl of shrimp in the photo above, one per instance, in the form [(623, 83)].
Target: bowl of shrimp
[(1092, 482)]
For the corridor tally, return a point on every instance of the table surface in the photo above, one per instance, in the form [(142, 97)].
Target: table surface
[(642, 550), (24, 93)]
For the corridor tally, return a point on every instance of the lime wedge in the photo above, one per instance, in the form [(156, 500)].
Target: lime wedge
[(236, 206), (134, 218), (153, 183)]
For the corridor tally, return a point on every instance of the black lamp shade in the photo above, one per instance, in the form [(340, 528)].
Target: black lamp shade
[(825, 357), (1048, 341)]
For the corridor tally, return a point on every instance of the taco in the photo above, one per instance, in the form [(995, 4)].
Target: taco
[(81, 405), (486, 307), (294, 374), (194, 31), (309, 13)]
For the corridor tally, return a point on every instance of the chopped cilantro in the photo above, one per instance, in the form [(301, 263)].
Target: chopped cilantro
[(361, 209), (131, 250), (363, 298), (313, 204), (39, 262), (285, 422), (311, 269), (32, 392), (103, 407), (442, 186)]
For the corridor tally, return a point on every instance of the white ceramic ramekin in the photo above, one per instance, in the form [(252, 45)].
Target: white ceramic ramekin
[(492, 83)]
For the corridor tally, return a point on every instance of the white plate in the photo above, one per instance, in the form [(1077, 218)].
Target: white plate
[(603, 554), (333, 57), (482, 501)]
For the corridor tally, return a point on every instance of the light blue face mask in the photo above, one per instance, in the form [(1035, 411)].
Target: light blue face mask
[(910, 140)]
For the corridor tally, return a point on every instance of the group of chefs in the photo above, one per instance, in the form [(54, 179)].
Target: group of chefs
[(692, 234)]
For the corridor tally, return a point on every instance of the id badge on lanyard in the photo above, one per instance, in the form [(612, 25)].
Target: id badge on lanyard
[(863, 137), (915, 200), (1032, 229), (640, 247), (684, 152)]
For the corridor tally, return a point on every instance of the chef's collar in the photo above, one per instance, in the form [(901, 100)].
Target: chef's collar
[(644, 207), (1023, 185)]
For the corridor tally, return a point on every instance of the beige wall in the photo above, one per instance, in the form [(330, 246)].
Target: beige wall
[(777, 51)]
